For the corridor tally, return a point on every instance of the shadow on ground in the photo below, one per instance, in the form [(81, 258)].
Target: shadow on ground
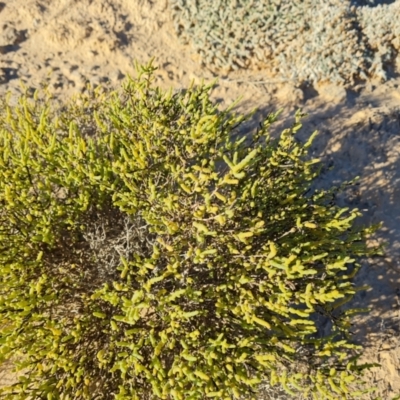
[(365, 142)]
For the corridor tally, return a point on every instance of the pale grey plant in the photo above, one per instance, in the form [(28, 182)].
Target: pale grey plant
[(308, 41)]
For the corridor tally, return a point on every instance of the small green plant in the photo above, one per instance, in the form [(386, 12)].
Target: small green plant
[(148, 254)]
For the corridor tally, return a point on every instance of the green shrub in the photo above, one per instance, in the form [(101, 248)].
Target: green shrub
[(148, 254)]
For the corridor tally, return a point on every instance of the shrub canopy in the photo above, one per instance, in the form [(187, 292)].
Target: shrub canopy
[(147, 252)]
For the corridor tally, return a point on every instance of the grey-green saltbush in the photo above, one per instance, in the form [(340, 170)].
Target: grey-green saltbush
[(309, 41)]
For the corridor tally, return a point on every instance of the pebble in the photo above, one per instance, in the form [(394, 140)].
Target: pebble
[(331, 92), (290, 93), (116, 75), (9, 36)]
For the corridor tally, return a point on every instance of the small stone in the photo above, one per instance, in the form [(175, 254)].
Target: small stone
[(331, 92), (104, 79), (11, 36), (95, 80), (290, 93), (78, 78), (116, 75)]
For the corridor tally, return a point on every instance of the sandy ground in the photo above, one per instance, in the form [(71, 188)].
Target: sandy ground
[(70, 42)]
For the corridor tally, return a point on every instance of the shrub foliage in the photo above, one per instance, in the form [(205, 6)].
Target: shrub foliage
[(147, 252)]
